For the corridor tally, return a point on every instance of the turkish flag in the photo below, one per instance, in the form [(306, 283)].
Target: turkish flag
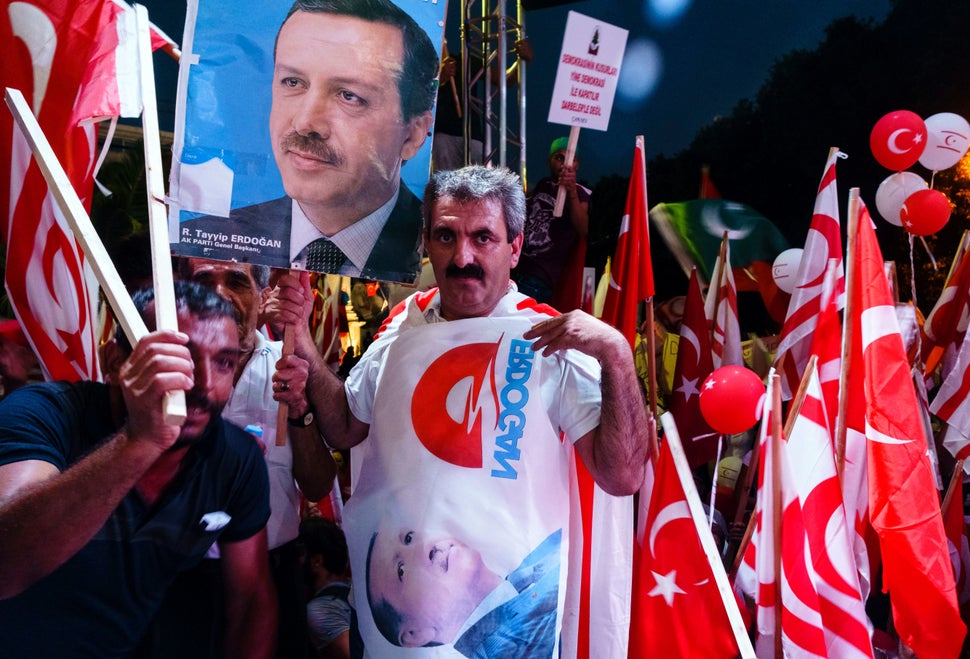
[(673, 584), (694, 364), (64, 58), (631, 276), (903, 507)]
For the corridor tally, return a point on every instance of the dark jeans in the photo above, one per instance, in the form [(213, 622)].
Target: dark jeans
[(190, 623)]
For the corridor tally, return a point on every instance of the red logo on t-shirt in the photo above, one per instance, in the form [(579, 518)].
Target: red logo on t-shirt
[(446, 409)]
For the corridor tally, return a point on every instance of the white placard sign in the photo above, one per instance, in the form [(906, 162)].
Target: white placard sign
[(589, 67)]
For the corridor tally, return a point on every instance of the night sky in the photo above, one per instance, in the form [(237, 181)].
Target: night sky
[(686, 63)]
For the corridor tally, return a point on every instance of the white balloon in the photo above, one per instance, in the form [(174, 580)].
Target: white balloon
[(893, 191), (947, 140), (785, 268)]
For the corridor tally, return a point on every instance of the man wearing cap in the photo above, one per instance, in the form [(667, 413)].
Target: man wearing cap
[(548, 239)]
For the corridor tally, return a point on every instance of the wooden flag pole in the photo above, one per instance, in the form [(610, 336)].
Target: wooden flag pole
[(716, 281), (704, 534), (951, 488), (852, 231), (166, 314), (793, 409), (283, 411), (77, 218), (649, 315), (570, 155), (796, 404)]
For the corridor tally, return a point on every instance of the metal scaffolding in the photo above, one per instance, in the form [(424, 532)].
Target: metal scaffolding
[(488, 39)]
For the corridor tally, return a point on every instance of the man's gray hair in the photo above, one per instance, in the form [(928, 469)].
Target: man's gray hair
[(475, 183)]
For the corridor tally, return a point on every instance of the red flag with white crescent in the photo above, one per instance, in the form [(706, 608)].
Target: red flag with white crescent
[(631, 275), (916, 565), (673, 583), (694, 364)]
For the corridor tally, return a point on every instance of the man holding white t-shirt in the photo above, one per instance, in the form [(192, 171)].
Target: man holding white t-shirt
[(459, 409)]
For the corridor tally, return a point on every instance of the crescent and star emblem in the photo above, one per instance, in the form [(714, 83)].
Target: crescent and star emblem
[(893, 142), (666, 585), (714, 224)]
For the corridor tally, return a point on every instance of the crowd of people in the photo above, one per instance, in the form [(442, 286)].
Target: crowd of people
[(125, 534), (193, 540)]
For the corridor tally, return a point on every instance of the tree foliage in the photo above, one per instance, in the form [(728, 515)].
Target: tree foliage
[(769, 152)]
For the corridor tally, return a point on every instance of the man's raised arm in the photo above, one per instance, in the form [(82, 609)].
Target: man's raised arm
[(38, 532), (616, 451), (339, 426)]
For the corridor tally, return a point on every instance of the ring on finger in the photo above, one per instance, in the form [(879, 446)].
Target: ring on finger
[(285, 386)]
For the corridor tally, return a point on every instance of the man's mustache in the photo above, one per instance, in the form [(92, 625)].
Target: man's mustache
[(468, 271), (311, 145), (196, 398)]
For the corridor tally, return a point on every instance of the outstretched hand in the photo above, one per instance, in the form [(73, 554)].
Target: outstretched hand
[(577, 330)]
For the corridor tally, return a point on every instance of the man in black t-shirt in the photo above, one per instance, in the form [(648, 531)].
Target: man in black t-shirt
[(102, 502)]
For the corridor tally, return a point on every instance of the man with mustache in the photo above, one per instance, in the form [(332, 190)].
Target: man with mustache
[(102, 503), (469, 408), (353, 88)]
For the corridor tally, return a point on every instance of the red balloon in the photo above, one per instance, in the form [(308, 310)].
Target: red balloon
[(898, 140), (925, 212), (731, 399)]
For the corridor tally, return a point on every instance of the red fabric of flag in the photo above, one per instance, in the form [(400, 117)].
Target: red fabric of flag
[(829, 538), (721, 308), (694, 364), (47, 49), (631, 276), (824, 242), (673, 586), (826, 346), (708, 191), (903, 507)]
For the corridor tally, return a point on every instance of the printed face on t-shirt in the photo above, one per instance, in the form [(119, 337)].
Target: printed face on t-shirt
[(432, 585)]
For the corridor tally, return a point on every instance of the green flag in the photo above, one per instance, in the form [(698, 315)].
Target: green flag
[(693, 231)]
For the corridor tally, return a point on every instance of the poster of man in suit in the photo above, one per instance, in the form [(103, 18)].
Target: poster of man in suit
[(302, 134)]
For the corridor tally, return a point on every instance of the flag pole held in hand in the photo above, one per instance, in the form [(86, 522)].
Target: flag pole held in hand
[(72, 208)]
